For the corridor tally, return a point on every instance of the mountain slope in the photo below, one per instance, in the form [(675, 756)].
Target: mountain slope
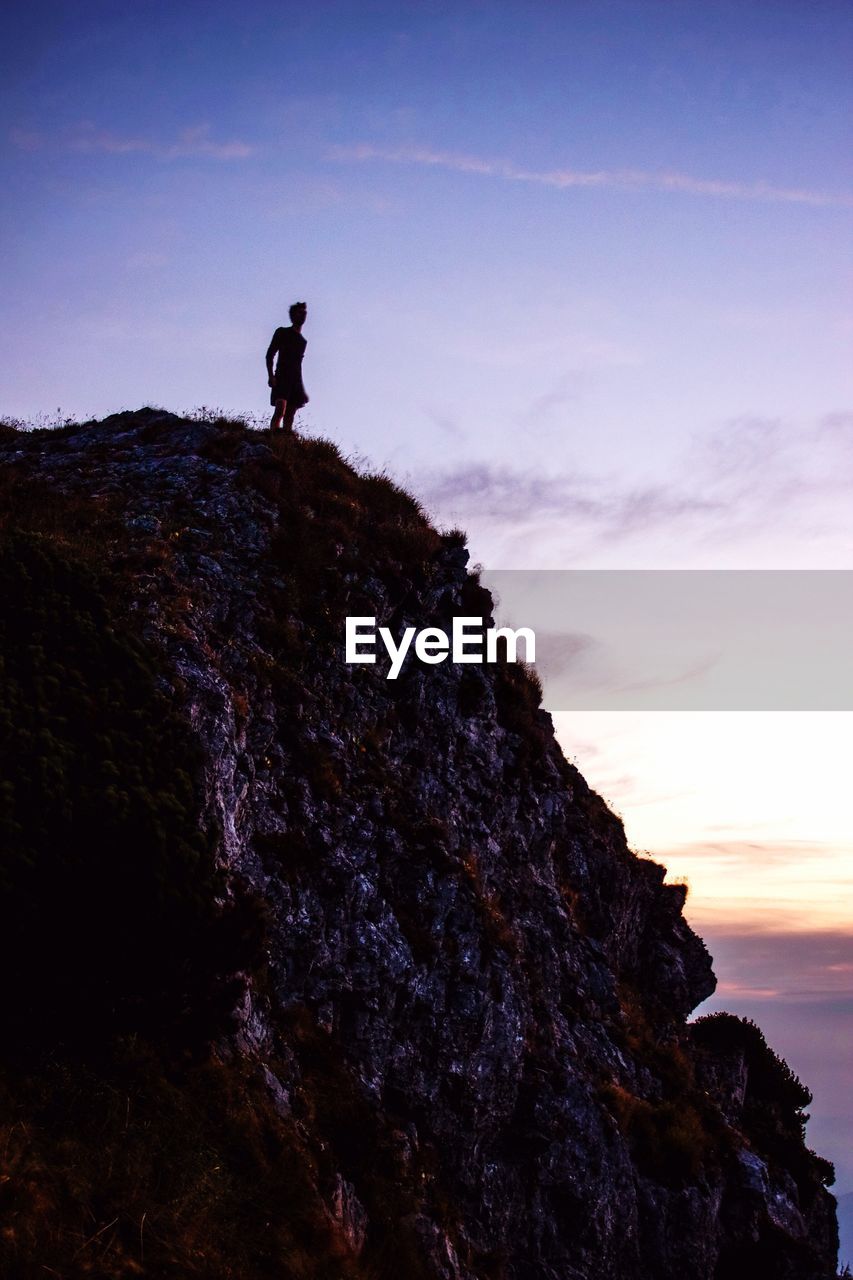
[(390, 994)]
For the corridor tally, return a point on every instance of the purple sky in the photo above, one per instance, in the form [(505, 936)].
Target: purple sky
[(578, 272)]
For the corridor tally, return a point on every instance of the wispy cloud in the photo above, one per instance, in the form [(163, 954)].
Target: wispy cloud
[(840, 423), (26, 139), (445, 422), (511, 494), (508, 494), (619, 179), (565, 390), (730, 855), (758, 887), (194, 141), (799, 964), (750, 475)]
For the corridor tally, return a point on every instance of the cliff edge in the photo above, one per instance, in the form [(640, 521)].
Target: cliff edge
[(309, 973)]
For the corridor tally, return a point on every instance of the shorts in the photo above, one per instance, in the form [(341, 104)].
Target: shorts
[(292, 392)]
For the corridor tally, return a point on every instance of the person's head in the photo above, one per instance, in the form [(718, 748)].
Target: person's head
[(298, 313)]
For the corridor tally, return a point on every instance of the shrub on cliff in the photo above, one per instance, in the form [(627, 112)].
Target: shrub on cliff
[(774, 1117)]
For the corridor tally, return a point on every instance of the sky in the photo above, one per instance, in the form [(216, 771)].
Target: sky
[(577, 273)]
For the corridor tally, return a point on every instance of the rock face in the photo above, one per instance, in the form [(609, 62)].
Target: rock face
[(466, 1023)]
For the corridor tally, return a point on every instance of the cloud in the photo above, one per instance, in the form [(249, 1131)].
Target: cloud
[(26, 139), (510, 494), (445, 422), (795, 965), (565, 390), (191, 142), (194, 141), (741, 448), (559, 651), (618, 179), (729, 487), (841, 423), (507, 494), (574, 664), (758, 888), (731, 855)]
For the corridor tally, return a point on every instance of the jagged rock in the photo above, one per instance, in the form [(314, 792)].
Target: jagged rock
[(470, 1021)]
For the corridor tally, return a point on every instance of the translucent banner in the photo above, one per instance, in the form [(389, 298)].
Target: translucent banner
[(692, 640)]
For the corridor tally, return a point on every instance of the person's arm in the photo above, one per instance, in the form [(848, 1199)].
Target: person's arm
[(304, 345), (271, 350)]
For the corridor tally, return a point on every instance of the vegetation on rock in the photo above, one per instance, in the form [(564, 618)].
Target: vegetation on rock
[(308, 974)]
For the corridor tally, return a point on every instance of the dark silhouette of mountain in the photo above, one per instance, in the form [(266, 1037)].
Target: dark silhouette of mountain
[(845, 1228), (309, 973)]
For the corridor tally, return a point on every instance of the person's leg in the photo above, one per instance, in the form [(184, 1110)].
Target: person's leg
[(278, 414), (289, 415)]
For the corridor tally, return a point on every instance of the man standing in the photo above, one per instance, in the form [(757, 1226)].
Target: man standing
[(287, 391)]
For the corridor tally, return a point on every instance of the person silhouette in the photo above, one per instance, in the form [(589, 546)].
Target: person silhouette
[(287, 392)]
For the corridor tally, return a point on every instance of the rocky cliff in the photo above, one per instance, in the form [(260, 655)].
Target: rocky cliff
[(312, 973)]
